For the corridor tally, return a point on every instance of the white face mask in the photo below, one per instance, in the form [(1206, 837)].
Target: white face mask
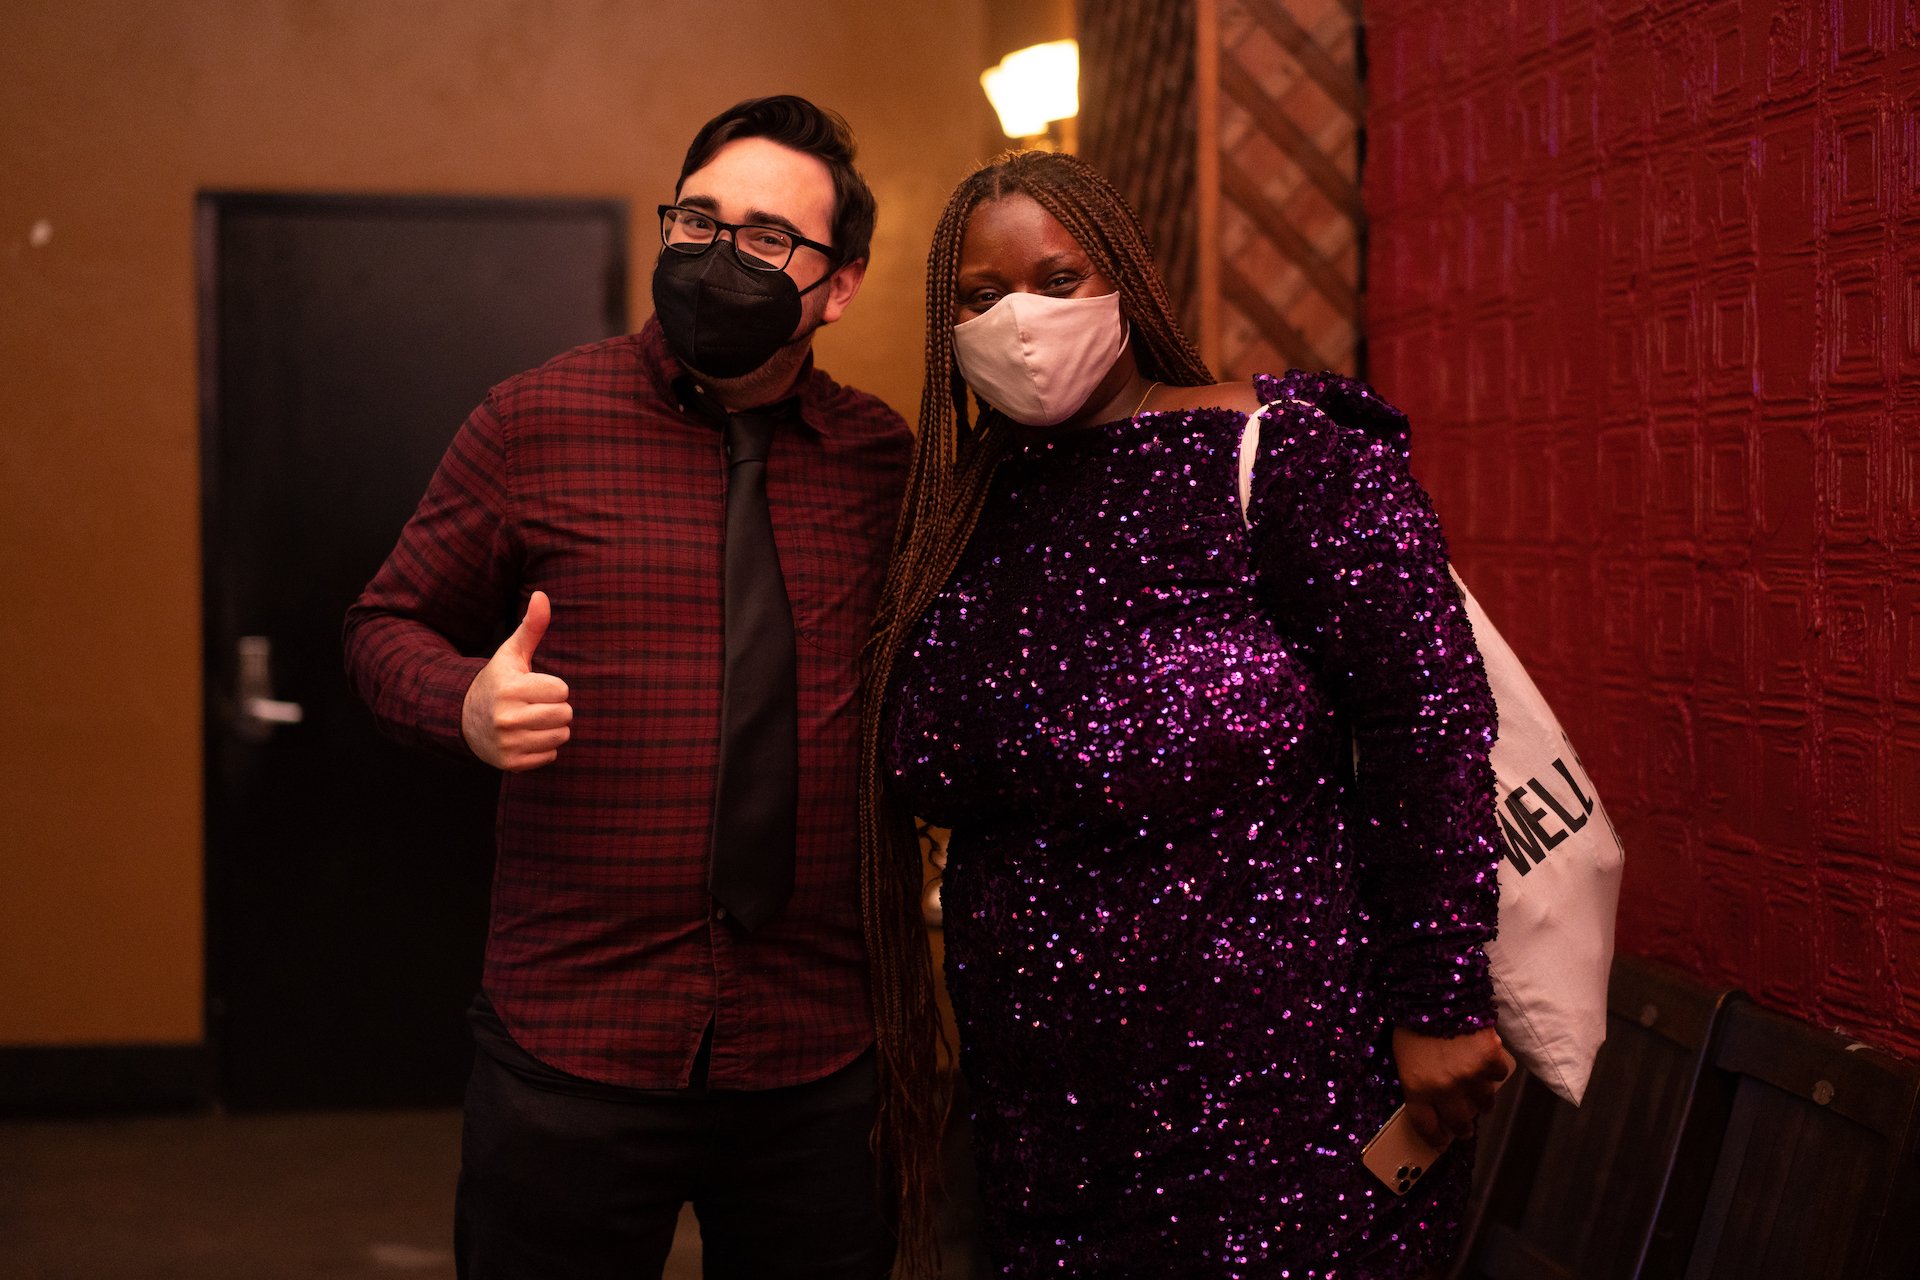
[(1038, 359)]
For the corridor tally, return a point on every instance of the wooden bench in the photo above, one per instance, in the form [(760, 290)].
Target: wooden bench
[(1717, 1141)]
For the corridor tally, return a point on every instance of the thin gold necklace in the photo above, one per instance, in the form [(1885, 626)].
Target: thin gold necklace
[(1143, 400)]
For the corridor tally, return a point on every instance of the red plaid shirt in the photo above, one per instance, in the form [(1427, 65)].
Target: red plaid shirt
[(586, 479)]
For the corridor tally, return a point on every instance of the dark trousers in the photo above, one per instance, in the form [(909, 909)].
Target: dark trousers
[(560, 1187)]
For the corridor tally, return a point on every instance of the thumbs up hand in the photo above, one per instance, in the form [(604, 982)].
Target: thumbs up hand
[(515, 718)]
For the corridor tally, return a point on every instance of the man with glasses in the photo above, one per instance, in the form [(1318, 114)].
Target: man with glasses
[(690, 524)]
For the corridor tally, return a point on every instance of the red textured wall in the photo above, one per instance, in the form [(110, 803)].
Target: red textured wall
[(1647, 277)]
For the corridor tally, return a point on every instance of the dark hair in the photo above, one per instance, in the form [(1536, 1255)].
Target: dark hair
[(953, 461), (796, 123)]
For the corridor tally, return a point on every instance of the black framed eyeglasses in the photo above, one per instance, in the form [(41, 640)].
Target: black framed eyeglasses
[(692, 232)]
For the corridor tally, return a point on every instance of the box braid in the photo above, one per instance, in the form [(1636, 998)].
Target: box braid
[(954, 458)]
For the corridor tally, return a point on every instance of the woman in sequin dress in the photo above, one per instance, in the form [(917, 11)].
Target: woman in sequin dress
[(1195, 964)]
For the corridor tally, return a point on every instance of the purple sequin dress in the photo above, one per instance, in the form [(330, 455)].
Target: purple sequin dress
[(1178, 934)]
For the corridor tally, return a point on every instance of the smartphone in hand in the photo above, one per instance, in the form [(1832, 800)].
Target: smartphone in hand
[(1397, 1155)]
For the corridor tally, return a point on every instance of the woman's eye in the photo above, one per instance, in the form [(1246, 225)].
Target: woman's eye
[(1062, 281)]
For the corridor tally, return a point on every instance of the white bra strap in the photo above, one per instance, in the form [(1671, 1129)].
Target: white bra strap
[(1249, 450)]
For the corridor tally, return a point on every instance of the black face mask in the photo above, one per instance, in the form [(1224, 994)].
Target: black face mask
[(721, 318)]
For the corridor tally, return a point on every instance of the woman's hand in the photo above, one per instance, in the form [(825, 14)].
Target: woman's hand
[(1449, 1081)]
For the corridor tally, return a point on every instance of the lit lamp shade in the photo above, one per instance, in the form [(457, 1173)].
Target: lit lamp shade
[(1035, 86)]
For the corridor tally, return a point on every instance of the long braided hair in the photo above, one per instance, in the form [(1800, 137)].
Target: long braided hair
[(954, 457)]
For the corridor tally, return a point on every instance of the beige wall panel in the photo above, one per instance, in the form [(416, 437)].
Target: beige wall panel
[(1288, 145)]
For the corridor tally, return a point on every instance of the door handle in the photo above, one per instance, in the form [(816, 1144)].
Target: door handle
[(260, 711), (273, 710)]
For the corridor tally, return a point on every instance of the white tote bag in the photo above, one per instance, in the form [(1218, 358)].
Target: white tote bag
[(1559, 878)]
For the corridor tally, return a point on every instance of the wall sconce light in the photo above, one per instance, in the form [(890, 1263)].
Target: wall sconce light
[(1034, 87)]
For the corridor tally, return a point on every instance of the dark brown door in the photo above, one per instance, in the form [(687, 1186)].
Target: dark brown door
[(344, 340)]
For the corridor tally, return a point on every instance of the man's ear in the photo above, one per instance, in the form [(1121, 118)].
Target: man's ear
[(841, 287)]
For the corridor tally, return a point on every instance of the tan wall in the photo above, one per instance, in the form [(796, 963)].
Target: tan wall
[(1015, 24), (112, 116)]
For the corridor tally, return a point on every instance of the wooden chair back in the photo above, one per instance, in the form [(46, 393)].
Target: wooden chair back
[(1818, 1176), (1604, 1191)]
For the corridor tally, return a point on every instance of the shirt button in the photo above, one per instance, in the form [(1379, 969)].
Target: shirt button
[(719, 913)]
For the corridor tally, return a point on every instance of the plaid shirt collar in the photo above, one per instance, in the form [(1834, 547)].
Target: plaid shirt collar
[(676, 384)]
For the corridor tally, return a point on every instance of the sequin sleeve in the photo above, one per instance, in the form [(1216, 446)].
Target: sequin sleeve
[(1350, 557)]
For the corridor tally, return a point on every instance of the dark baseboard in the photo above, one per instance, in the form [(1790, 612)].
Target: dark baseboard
[(102, 1079)]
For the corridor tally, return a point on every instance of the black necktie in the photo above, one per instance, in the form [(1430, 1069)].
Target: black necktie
[(756, 795)]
